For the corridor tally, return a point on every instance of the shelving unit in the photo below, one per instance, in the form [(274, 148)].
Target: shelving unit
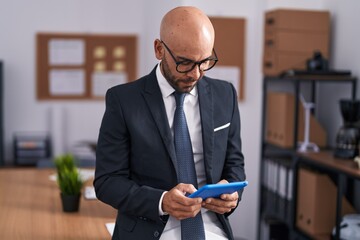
[(279, 164), (342, 169)]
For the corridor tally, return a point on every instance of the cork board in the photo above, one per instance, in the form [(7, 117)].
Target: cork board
[(230, 49), (83, 66)]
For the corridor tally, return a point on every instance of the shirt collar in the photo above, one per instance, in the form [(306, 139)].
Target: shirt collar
[(165, 87)]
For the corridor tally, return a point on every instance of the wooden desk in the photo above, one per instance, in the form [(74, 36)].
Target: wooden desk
[(30, 208), (325, 159)]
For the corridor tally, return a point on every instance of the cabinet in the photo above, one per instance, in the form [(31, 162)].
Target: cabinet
[(280, 165), (30, 148)]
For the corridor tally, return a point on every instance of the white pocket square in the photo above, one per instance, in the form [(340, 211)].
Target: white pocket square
[(222, 127)]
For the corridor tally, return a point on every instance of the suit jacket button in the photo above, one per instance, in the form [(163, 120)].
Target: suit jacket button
[(156, 234)]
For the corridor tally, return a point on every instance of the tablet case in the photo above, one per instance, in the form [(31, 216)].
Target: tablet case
[(215, 190)]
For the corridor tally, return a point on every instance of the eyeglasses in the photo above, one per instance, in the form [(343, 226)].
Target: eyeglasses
[(188, 65)]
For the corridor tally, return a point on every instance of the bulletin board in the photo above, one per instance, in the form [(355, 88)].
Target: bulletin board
[(83, 66), (230, 49)]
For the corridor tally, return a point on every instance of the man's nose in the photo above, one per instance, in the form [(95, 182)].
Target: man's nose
[(195, 73)]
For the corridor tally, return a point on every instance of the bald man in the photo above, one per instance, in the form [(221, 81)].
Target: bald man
[(137, 162)]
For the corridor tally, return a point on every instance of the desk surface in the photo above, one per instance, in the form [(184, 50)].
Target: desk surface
[(30, 208), (326, 158)]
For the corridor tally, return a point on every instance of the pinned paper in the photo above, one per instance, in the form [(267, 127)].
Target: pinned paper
[(67, 82), (99, 52), (100, 66), (119, 52), (66, 52), (119, 66)]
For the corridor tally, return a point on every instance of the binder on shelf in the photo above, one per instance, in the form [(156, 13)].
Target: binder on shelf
[(282, 181), (277, 182), (290, 176)]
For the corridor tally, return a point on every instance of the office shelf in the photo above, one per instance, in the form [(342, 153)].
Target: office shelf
[(279, 165)]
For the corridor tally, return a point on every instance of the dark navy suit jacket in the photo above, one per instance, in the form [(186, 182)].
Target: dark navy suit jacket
[(135, 156)]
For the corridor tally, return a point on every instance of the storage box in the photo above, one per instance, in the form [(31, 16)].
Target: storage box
[(291, 38), (280, 122), (275, 62), (301, 42), (316, 203), (298, 20)]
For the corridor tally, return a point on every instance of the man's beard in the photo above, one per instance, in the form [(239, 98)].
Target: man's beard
[(172, 80)]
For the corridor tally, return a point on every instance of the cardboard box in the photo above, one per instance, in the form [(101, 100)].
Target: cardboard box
[(316, 203), (298, 20), (291, 38), (275, 63), (280, 122), (297, 41)]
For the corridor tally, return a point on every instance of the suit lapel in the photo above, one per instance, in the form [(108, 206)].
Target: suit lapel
[(153, 97), (207, 123)]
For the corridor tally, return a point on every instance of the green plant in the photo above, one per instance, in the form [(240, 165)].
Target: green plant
[(68, 176)]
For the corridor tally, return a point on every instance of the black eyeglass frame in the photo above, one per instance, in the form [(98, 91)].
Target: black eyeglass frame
[(194, 63)]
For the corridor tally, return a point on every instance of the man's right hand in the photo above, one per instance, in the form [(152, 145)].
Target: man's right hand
[(176, 204)]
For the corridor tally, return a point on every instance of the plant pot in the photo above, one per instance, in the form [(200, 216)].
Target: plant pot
[(70, 203)]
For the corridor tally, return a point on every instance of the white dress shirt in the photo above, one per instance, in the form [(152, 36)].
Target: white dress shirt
[(213, 227)]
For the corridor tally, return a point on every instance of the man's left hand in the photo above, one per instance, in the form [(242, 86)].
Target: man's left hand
[(224, 204)]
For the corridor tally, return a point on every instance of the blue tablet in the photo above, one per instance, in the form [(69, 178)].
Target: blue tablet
[(215, 190)]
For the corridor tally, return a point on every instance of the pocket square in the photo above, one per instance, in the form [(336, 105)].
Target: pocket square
[(222, 127)]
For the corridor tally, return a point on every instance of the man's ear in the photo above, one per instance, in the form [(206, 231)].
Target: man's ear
[(159, 49)]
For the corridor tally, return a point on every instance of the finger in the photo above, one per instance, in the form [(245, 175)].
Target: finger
[(181, 212), (221, 203), (187, 209), (178, 202), (180, 206), (217, 209), (186, 188), (183, 215), (230, 197), (223, 181)]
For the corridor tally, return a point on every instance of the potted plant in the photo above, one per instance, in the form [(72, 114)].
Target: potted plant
[(69, 181)]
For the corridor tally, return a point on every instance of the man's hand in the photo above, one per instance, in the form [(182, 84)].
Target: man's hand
[(225, 204), (178, 205)]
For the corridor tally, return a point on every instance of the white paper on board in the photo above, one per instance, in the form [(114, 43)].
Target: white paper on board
[(68, 52), (67, 82)]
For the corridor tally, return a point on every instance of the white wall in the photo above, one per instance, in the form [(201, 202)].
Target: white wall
[(295, 4), (151, 28), (345, 55), (20, 20)]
